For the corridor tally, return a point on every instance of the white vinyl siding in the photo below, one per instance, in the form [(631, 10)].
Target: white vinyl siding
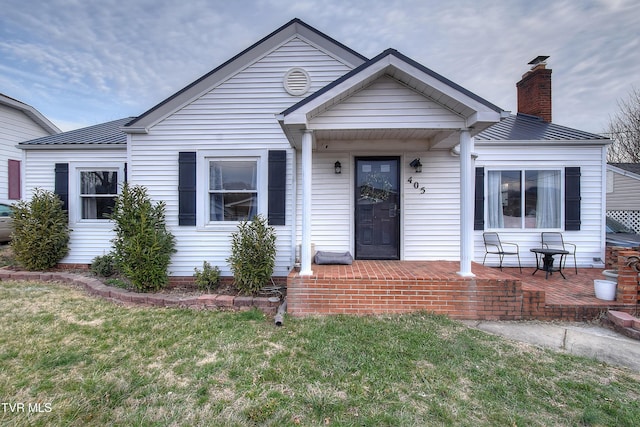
[(626, 193), (387, 104), (430, 228), (589, 239), (15, 127), (432, 219), (238, 115), (88, 238)]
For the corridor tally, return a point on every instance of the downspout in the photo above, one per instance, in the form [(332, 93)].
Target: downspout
[(282, 309)]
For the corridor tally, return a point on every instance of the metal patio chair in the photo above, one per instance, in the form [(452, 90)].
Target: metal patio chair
[(554, 240), (493, 245)]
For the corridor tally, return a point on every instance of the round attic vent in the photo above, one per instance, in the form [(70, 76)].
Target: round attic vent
[(297, 82)]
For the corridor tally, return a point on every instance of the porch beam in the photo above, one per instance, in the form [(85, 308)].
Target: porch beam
[(466, 203), (307, 169)]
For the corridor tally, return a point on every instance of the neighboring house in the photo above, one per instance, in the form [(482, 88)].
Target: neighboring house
[(623, 193), (341, 153), (18, 122)]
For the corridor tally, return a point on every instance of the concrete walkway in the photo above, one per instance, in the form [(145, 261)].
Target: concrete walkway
[(582, 339)]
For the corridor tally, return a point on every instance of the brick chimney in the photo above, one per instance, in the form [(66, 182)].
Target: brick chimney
[(534, 90)]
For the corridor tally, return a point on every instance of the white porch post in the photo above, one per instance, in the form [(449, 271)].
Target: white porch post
[(466, 203), (307, 168)]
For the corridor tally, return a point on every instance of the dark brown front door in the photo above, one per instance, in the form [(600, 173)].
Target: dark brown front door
[(377, 202)]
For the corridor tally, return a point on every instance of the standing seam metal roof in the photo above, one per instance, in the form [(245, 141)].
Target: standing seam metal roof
[(109, 133), (523, 127)]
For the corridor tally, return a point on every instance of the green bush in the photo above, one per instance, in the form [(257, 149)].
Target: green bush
[(253, 254), (208, 278), (143, 245), (103, 265), (40, 231)]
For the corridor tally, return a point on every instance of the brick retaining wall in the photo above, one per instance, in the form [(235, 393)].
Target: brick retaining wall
[(95, 287), (463, 298)]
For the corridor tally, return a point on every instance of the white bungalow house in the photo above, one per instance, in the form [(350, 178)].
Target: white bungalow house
[(18, 122), (380, 157)]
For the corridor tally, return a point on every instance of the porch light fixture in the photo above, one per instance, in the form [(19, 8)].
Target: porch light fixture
[(415, 163), (337, 167)]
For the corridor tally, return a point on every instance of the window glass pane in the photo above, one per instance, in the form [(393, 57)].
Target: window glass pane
[(99, 182), (542, 199), (541, 194), (97, 207), (233, 206), (504, 199), (232, 175)]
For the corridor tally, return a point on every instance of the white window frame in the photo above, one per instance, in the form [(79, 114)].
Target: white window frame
[(202, 196), (75, 191), (522, 171)]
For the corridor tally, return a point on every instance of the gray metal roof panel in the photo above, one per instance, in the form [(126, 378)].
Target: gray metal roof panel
[(629, 167), (523, 127), (109, 133)]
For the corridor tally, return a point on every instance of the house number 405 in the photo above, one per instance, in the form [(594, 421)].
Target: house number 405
[(416, 185)]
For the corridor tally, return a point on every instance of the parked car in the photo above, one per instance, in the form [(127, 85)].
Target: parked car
[(6, 227), (619, 234)]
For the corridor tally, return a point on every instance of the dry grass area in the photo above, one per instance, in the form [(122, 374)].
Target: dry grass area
[(70, 359)]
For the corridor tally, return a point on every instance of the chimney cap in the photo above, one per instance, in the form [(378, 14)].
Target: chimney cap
[(538, 60)]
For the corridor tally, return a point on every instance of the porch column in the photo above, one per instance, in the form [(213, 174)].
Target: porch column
[(307, 168), (466, 203)]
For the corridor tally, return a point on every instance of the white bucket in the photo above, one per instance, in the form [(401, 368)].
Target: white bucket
[(605, 289)]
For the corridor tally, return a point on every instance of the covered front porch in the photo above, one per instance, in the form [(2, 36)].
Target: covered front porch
[(380, 287), (392, 110)]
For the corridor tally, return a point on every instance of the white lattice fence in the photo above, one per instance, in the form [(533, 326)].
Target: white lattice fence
[(629, 218)]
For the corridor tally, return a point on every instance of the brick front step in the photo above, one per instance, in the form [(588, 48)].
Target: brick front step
[(96, 287), (624, 323)]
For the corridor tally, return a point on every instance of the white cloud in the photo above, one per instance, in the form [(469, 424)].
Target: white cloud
[(93, 61)]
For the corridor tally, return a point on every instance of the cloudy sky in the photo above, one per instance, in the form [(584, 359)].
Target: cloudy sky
[(82, 62)]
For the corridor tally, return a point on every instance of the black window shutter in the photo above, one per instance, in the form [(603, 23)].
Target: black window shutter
[(572, 198), (187, 188), (61, 184), (478, 217), (277, 187), (126, 172)]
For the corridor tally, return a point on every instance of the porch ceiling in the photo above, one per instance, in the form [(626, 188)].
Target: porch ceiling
[(429, 135), (433, 138)]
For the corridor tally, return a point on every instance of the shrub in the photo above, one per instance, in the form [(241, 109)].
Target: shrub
[(143, 245), (103, 265), (253, 253), (40, 231), (208, 278)]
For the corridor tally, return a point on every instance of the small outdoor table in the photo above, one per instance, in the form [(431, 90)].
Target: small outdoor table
[(547, 260)]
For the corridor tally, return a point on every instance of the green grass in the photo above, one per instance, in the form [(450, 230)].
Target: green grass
[(96, 363)]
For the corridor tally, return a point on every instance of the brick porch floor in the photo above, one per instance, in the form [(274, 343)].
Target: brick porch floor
[(401, 286)]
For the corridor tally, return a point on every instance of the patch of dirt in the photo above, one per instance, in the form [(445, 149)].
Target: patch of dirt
[(226, 287)]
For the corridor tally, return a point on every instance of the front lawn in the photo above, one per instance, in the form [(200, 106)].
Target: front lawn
[(70, 359)]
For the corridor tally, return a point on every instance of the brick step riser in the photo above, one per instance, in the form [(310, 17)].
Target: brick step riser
[(625, 323)]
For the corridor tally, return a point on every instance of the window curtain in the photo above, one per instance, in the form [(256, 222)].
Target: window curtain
[(548, 202), (216, 200), (494, 200)]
